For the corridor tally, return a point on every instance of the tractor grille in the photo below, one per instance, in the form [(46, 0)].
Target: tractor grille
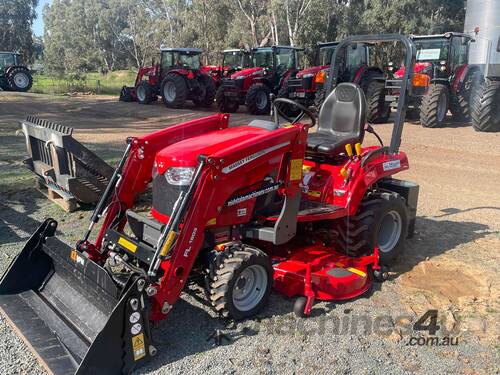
[(294, 84), (233, 84), (40, 152), (165, 195)]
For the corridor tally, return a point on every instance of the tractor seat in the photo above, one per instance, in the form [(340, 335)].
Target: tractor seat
[(341, 121)]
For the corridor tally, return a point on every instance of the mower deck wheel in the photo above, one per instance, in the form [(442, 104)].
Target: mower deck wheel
[(435, 104), (240, 282), (299, 306)]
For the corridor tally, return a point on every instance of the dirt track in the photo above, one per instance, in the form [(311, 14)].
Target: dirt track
[(452, 263)]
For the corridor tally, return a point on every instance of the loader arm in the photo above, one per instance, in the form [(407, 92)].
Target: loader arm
[(137, 172)]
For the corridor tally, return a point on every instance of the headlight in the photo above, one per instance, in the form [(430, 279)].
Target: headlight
[(308, 75), (180, 176)]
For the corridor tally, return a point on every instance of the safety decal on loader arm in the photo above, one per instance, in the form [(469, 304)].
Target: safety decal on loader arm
[(138, 346), (296, 169)]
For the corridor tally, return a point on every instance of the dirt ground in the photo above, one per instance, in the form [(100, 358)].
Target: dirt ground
[(452, 264)]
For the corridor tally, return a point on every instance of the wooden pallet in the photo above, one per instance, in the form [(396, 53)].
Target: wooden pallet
[(67, 204)]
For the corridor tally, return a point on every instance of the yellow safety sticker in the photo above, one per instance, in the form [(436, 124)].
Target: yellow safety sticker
[(138, 346), (73, 255), (356, 271), (168, 243), (212, 221), (127, 244), (315, 194), (296, 169)]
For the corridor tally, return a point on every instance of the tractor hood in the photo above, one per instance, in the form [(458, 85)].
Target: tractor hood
[(417, 68), (185, 153), (311, 70), (247, 72)]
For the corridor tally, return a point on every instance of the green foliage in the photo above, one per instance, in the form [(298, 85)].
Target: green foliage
[(107, 35), (16, 19)]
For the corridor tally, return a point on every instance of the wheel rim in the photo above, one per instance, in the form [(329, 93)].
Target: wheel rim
[(250, 287), (21, 80), (169, 91), (141, 93), (442, 107), (261, 100), (390, 231)]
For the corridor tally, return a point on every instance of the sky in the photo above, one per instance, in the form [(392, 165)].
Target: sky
[(38, 23)]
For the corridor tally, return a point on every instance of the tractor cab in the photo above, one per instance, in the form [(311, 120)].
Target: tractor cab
[(234, 60), (8, 59), (179, 59), (268, 70)]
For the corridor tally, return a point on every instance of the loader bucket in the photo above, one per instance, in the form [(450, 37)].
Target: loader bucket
[(71, 313), (63, 164)]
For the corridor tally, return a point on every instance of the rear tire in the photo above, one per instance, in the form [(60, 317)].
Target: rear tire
[(378, 110), (19, 79), (239, 282), (486, 111), (174, 91), (144, 92), (225, 104), (381, 220), (258, 99), (434, 106), (461, 102)]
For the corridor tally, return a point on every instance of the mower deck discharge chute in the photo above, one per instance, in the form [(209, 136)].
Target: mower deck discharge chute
[(235, 209), (62, 164)]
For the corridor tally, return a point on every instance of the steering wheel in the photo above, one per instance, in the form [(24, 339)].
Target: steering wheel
[(303, 111)]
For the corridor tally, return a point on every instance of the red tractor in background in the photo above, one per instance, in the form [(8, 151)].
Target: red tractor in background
[(308, 86), (233, 60), (178, 77), (269, 69), (442, 81)]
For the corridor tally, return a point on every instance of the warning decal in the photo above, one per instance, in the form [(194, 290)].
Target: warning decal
[(138, 346), (296, 169)]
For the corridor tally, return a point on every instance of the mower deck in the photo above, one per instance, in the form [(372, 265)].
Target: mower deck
[(318, 272)]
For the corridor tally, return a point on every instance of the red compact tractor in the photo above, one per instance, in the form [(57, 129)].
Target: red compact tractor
[(178, 77), (233, 60), (239, 209), (308, 86), (269, 69), (442, 81)]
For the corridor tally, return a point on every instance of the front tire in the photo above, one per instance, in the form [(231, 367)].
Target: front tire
[(378, 110), (382, 221), (434, 106), (258, 99), (144, 92), (239, 281), (225, 104), (174, 91), (125, 95), (208, 91), (486, 111), (20, 79)]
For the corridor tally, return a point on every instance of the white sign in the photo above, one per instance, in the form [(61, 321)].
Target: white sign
[(428, 54), (390, 165)]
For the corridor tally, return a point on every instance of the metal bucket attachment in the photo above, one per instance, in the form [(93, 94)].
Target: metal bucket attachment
[(62, 163), (71, 313)]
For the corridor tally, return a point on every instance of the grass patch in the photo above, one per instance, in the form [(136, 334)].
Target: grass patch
[(94, 82)]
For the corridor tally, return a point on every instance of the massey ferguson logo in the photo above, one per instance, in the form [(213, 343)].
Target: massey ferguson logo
[(248, 159)]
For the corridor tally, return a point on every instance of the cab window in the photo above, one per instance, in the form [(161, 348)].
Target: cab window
[(459, 50), (166, 60), (285, 59)]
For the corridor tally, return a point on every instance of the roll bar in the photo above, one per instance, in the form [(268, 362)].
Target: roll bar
[(406, 84)]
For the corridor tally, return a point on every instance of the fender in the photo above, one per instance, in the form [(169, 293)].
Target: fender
[(364, 71), (11, 67), (460, 75)]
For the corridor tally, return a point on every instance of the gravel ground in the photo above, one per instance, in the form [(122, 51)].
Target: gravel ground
[(451, 264)]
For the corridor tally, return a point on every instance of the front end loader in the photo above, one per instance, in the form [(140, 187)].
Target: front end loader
[(236, 209)]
